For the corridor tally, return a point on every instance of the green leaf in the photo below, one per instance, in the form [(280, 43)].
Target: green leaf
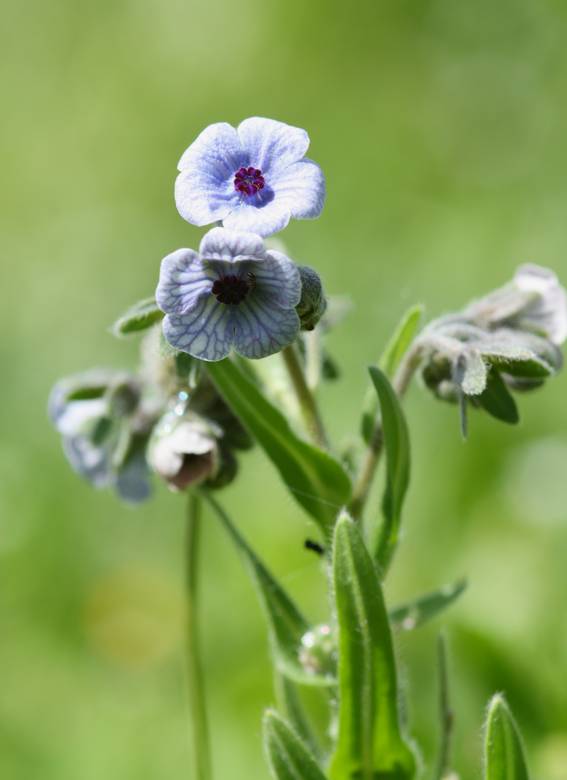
[(396, 439), (315, 479), (288, 756), (504, 753), (401, 340), (370, 744), (498, 401), (289, 701), (390, 360), (416, 613), (140, 316), (287, 624)]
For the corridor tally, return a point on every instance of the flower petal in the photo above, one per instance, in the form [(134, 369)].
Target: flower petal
[(224, 244), (218, 149), (204, 189), (202, 198), (206, 332), (262, 328), (267, 218), (278, 279), (183, 281), (272, 145), (301, 187)]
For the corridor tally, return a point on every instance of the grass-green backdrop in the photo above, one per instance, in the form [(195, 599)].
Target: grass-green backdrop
[(441, 127)]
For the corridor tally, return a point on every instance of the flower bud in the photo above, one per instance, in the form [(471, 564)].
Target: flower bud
[(184, 450), (318, 651), (312, 304)]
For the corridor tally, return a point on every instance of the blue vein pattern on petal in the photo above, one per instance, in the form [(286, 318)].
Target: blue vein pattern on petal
[(301, 187), (278, 279), (272, 145), (225, 244), (262, 328), (206, 332), (183, 281)]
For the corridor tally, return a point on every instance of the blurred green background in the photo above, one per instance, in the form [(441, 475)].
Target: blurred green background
[(441, 128)]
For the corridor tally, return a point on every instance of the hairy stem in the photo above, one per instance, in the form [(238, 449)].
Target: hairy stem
[(363, 483), (305, 397), (198, 713)]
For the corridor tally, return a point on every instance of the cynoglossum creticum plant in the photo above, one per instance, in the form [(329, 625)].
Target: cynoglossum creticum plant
[(198, 399)]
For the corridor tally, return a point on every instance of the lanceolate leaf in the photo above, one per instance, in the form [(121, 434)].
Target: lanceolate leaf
[(287, 624), (395, 350), (288, 756), (416, 613), (315, 479), (504, 754), (370, 744), (396, 439), (401, 340), (140, 316)]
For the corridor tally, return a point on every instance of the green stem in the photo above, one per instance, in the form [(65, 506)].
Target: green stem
[(198, 712), (305, 397), (363, 483), (445, 712)]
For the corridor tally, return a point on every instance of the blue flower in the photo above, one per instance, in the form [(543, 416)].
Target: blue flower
[(104, 431), (252, 178), (233, 294)]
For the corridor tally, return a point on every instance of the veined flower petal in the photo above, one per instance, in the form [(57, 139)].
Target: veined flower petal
[(183, 281), (224, 244), (278, 280), (206, 332), (261, 329)]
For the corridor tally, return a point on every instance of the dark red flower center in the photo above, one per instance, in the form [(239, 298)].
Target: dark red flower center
[(231, 289), (249, 180)]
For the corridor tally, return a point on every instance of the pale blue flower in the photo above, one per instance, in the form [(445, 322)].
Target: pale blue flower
[(254, 177), (104, 431), (233, 294)]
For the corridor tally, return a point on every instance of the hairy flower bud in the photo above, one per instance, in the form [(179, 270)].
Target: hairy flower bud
[(533, 301), (313, 303)]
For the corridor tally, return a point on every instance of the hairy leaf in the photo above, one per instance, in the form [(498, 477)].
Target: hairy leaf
[(370, 744), (288, 756), (504, 753), (140, 316)]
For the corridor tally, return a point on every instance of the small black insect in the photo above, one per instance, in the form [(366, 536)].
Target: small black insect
[(309, 544)]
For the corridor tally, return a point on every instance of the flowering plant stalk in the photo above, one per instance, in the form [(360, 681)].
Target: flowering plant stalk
[(202, 396)]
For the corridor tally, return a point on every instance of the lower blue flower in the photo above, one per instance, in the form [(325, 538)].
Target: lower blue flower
[(232, 294)]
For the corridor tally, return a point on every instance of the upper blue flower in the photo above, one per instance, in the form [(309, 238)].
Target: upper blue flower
[(234, 293), (252, 178)]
